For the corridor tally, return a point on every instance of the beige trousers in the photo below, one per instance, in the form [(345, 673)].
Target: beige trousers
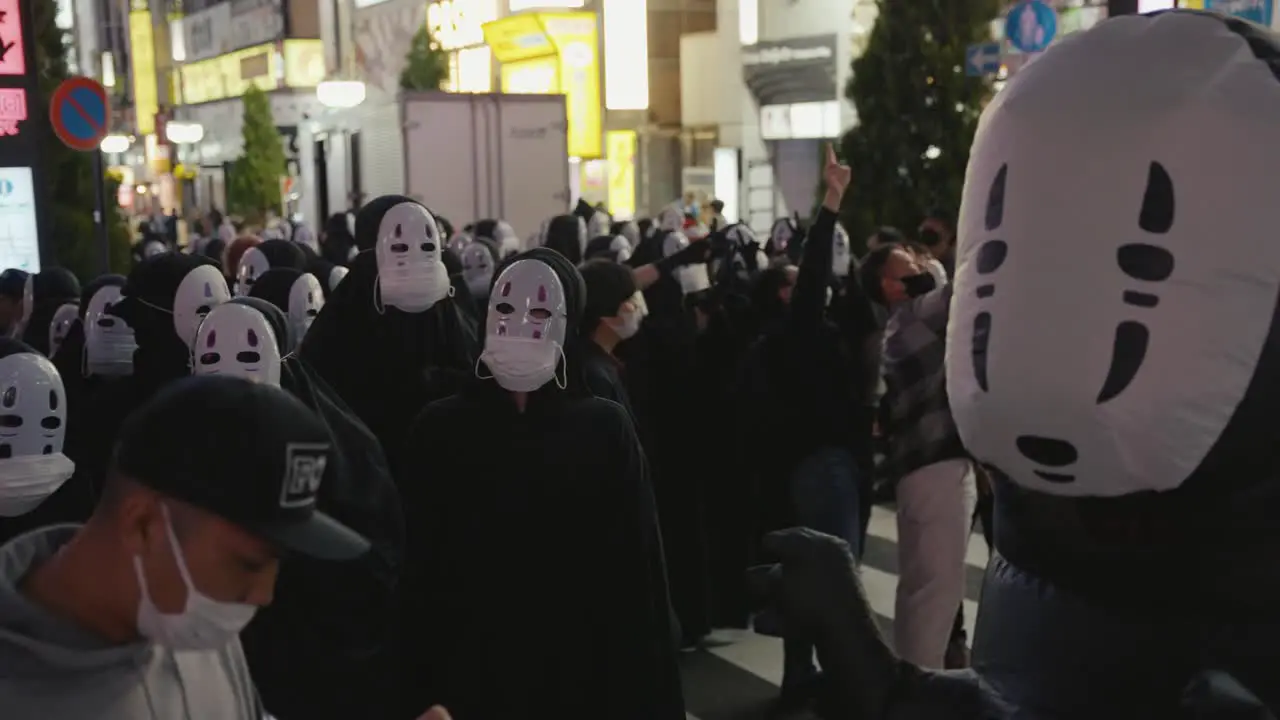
[(935, 511)]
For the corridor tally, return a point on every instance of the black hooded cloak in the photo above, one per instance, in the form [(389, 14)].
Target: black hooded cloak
[(387, 366), (51, 289), (536, 557), (320, 650)]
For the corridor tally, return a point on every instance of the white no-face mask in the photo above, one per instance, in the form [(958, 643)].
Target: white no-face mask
[(204, 624)]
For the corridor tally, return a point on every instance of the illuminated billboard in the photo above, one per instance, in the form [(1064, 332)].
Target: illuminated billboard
[(621, 145), (13, 54), (146, 92), (230, 75), (626, 54), (528, 45), (19, 236)]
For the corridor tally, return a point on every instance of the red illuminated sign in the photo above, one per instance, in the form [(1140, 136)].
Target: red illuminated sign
[(12, 55), (13, 109)]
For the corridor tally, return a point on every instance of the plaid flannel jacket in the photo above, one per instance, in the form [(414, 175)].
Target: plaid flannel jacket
[(920, 428)]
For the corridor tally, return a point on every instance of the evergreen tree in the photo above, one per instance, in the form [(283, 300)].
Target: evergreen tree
[(911, 94), (69, 174), (426, 67), (254, 185)]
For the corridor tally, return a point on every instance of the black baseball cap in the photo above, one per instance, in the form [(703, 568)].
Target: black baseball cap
[(249, 453)]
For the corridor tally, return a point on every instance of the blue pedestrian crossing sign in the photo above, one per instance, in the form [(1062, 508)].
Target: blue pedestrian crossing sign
[(1031, 25), (982, 59)]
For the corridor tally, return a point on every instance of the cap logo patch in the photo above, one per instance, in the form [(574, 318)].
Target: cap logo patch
[(304, 468)]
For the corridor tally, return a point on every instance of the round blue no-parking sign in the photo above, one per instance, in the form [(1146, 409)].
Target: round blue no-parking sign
[(1031, 26)]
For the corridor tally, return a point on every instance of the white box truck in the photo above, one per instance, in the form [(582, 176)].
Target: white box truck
[(475, 156)]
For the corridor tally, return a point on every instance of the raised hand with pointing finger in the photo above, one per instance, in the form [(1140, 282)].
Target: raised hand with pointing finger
[(837, 178)]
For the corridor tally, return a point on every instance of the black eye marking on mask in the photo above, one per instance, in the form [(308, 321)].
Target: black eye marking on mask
[(397, 230), (1157, 211), (53, 399), (981, 340), (991, 256), (10, 397), (995, 199), (1148, 264), (1127, 355)]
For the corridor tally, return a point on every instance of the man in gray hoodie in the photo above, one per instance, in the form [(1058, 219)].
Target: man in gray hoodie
[(135, 615)]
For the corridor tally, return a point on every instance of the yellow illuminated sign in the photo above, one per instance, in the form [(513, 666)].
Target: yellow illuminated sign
[(621, 154), (525, 42), (539, 76), (516, 38), (146, 93), (228, 76), (303, 63)]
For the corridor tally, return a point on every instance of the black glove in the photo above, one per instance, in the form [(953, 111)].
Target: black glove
[(750, 256), (820, 595), (694, 253)]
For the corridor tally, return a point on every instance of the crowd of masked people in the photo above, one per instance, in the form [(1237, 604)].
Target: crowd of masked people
[(411, 467)]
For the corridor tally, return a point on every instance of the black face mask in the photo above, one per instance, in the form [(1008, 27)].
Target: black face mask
[(929, 237), (917, 285)]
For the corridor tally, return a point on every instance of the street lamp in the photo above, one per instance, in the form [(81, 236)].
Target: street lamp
[(114, 144), (340, 94), (183, 133)]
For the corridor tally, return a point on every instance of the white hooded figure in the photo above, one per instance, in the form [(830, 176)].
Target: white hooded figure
[(336, 276), (459, 242), (306, 298), (507, 239), (478, 265), (631, 231), (598, 225), (60, 325), (411, 275), (841, 254), (670, 218), (525, 327), (200, 291), (252, 264), (108, 341), (33, 422), (692, 278), (237, 340), (621, 248)]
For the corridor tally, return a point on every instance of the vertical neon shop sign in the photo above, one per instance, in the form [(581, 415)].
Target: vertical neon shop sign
[(13, 101)]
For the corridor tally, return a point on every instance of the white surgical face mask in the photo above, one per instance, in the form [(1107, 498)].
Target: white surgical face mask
[(27, 480), (521, 364), (630, 324), (205, 623), (411, 275)]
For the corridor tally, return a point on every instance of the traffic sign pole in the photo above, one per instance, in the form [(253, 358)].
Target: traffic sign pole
[(80, 114), (100, 213)]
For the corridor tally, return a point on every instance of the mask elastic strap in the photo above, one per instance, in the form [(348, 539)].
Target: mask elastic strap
[(84, 359), (178, 557), (562, 370), (153, 306), (477, 371), (377, 295)]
